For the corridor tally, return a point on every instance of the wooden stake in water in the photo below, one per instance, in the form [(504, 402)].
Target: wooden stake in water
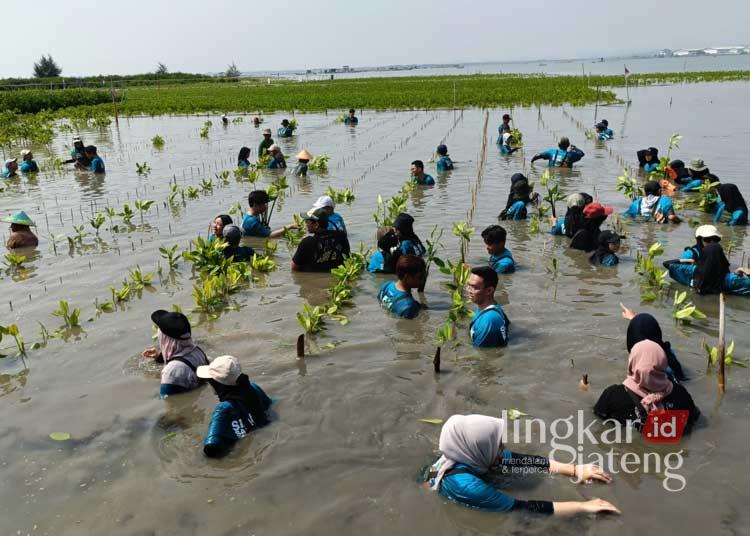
[(436, 360), (301, 346), (596, 107), (722, 349)]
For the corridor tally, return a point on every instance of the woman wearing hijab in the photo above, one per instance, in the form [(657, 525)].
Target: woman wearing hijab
[(653, 205), (704, 234), (642, 327), (242, 406), (699, 173), (216, 227), (179, 353), (519, 196), (400, 240), (646, 388), (573, 221), (648, 159), (586, 237), (732, 201), (710, 274), (608, 244), (471, 449)]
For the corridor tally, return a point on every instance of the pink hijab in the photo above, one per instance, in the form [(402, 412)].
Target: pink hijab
[(171, 347), (647, 374)]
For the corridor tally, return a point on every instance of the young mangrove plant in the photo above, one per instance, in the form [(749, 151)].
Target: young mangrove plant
[(275, 192), (142, 169), (463, 231), (345, 196), (653, 278), (262, 264), (192, 192), (205, 129), (97, 221), (683, 311), (70, 315), (143, 207), (433, 246), (126, 214), (319, 164), (111, 212), (553, 191), (628, 185), (311, 318), (712, 355), (140, 279), (223, 177), (158, 142), (80, 234), (14, 261), (13, 331), (170, 255), (206, 185), (208, 256)]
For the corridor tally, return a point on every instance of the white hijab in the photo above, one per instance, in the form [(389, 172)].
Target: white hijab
[(474, 440)]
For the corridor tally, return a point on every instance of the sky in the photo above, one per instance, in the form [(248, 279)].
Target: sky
[(88, 37)]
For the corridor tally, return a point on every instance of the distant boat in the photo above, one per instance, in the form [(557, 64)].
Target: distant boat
[(542, 64)]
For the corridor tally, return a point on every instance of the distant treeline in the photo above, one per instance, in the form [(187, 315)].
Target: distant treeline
[(146, 79)]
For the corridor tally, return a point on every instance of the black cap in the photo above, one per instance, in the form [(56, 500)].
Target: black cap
[(175, 325), (506, 116)]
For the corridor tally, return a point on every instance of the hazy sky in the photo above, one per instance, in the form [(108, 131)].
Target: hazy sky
[(106, 37)]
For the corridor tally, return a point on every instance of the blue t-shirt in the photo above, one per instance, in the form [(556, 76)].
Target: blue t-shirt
[(253, 226), (489, 327), (649, 167), (445, 163), (470, 490), (243, 163), (408, 247), (230, 422), (610, 259), (732, 283), (664, 207), (427, 180), (29, 166), (738, 217), (691, 252), (277, 163), (97, 165), (351, 120), (5, 173), (399, 302), (557, 157), (503, 262), (336, 223), (285, 132), (605, 134)]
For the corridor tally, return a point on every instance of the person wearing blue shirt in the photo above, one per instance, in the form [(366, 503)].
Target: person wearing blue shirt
[(28, 165), (243, 406), (519, 196), (396, 296), (253, 222), (243, 159), (505, 125), (711, 273), (471, 449), (9, 168), (335, 221), (351, 119), (233, 234), (648, 159), (444, 162), (731, 202), (398, 240), (602, 132), (180, 355), (489, 326), (418, 174), (277, 158), (500, 259), (216, 227), (699, 173), (564, 156), (653, 205), (704, 234), (97, 164), (506, 141), (608, 244), (285, 130)]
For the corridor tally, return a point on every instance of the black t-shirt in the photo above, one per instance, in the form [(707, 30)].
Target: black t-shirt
[(617, 402), (321, 252)]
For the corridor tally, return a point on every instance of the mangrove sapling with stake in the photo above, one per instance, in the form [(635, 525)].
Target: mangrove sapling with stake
[(433, 246), (70, 315), (628, 185), (97, 221), (463, 231), (139, 279), (143, 169), (553, 191), (13, 331), (14, 261), (170, 255), (653, 279), (111, 213), (682, 311), (143, 207), (158, 142), (80, 234), (126, 214), (274, 191)]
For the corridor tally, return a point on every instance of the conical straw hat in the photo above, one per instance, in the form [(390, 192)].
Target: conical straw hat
[(304, 155)]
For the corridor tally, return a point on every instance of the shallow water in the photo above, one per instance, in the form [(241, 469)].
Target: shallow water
[(347, 443)]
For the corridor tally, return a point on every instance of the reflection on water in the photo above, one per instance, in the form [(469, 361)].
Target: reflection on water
[(346, 438)]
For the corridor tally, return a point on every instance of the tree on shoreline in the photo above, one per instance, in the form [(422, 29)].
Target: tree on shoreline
[(232, 71), (46, 67), (161, 68)]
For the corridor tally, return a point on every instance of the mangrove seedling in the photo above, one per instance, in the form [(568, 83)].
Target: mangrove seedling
[(208, 256), (236, 210), (142, 169), (14, 261), (683, 311), (97, 221), (653, 279), (143, 206), (274, 191), (104, 307), (535, 224), (270, 247), (463, 231), (311, 318), (207, 185), (12, 330), (170, 255), (209, 296), (262, 264), (111, 213), (126, 214), (553, 191), (192, 192), (345, 196), (69, 315), (319, 164), (433, 246), (223, 177), (628, 185), (205, 129), (712, 354), (158, 142), (140, 279), (121, 295), (80, 233)]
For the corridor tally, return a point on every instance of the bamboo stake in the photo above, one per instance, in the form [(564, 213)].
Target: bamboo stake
[(301, 346), (722, 323)]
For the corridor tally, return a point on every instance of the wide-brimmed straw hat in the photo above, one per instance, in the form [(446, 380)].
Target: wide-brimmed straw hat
[(267, 131), (697, 164), (20, 218), (304, 154)]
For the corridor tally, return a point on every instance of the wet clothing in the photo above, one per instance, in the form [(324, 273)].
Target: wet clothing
[(605, 134), (384, 259), (619, 403), (426, 180), (460, 484), (737, 217), (6, 173), (489, 327), (731, 283), (518, 197), (321, 252), (650, 206), (97, 165), (644, 326), (265, 143), (241, 409), (505, 140), (399, 302), (606, 259), (336, 222), (22, 239), (503, 262), (253, 226), (444, 163), (78, 156), (692, 252), (243, 163), (178, 375), (731, 201), (285, 132), (692, 185), (561, 158), (29, 166), (300, 170), (351, 120), (277, 162), (239, 253)]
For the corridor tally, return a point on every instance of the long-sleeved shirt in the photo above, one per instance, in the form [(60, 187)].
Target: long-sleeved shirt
[(738, 217)]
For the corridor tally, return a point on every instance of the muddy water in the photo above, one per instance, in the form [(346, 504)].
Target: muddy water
[(347, 443)]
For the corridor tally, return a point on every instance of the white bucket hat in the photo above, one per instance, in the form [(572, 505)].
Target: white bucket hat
[(225, 369), (707, 231)]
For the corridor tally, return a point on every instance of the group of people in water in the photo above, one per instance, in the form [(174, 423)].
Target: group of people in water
[(471, 446)]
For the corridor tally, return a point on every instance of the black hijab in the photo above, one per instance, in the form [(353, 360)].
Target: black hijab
[(604, 239), (519, 190), (732, 197), (404, 223), (711, 269), (644, 327), (574, 221), (245, 395)]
